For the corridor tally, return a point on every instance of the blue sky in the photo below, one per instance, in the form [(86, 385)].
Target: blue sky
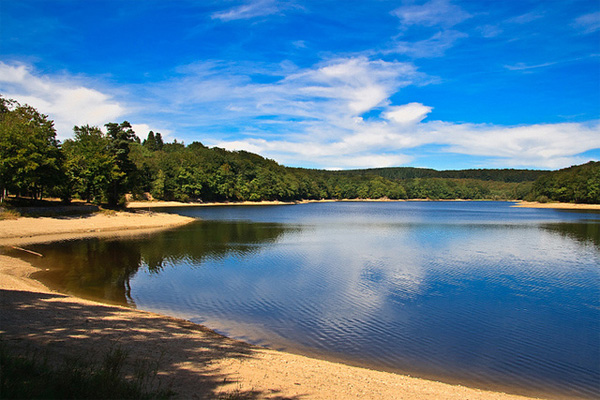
[(321, 84)]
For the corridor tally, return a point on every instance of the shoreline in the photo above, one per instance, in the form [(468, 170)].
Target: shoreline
[(557, 206), (194, 359), (518, 203)]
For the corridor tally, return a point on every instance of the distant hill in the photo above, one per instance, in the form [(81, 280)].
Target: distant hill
[(577, 184), (498, 175)]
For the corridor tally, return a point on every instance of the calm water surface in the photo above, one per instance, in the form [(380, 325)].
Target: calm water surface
[(471, 292)]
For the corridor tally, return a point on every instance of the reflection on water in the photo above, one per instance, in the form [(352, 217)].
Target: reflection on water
[(102, 268), (586, 233), (466, 292)]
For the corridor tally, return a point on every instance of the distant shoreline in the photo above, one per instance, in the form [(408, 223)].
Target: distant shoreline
[(166, 204), (518, 203), (558, 206)]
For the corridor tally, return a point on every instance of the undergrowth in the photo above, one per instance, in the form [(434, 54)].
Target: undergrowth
[(32, 377)]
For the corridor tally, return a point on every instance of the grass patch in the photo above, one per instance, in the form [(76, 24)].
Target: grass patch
[(7, 213), (32, 377)]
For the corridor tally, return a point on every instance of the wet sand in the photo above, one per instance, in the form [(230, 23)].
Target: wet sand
[(194, 361)]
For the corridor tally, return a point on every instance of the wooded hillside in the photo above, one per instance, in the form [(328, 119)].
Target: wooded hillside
[(102, 167)]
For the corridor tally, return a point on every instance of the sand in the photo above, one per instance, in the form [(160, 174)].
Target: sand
[(528, 204), (44, 229), (560, 206), (194, 361)]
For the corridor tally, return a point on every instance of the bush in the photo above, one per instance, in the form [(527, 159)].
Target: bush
[(542, 199)]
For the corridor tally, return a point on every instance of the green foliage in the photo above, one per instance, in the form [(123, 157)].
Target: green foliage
[(30, 156), (502, 175), (123, 179), (90, 165), (577, 184), (196, 172), (154, 141)]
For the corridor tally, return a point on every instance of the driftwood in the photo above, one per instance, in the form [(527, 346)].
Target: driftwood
[(28, 251)]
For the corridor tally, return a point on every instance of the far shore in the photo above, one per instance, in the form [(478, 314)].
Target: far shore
[(559, 206), (193, 360), (518, 203)]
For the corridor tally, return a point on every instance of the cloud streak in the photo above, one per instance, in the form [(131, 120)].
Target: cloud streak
[(249, 10), (588, 23), (435, 46), (433, 13)]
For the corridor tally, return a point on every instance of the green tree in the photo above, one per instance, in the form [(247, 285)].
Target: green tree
[(30, 156), (90, 165), (123, 179)]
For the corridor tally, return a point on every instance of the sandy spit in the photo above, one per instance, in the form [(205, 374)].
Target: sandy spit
[(160, 204), (46, 229), (194, 361), (561, 206)]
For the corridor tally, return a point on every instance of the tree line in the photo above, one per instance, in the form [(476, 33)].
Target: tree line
[(103, 166)]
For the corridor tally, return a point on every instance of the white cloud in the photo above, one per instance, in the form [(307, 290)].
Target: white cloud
[(358, 84), (317, 116), (65, 100), (339, 89), (378, 144), (142, 130), (588, 23), (433, 13), (540, 145), (252, 9), (408, 113)]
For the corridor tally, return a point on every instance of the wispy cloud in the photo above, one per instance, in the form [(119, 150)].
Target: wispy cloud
[(383, 143), (527, 67), (433, 13), (524, 67), (435, 46), (251, 9), (525, 18), (438, 15), (490, 31), (341, 88), (588, 23)]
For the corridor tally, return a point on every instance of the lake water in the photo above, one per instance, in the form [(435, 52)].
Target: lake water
[(478, 293)]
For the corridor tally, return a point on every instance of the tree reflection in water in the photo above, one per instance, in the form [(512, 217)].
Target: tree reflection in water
[(101, 268)]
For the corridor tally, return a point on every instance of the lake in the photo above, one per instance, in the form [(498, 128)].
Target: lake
[(478, 293)]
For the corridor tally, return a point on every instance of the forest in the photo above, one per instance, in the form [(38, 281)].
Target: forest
[(103, 166)]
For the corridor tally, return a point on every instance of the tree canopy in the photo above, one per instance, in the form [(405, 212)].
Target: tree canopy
[(30, 155)]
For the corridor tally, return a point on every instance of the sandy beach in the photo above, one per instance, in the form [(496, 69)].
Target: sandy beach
[(559, 206), (194, 361)]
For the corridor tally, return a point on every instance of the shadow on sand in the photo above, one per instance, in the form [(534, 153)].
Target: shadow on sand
[(187, 355)]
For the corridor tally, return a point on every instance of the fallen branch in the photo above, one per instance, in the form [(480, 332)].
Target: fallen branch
[(28, 251)]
